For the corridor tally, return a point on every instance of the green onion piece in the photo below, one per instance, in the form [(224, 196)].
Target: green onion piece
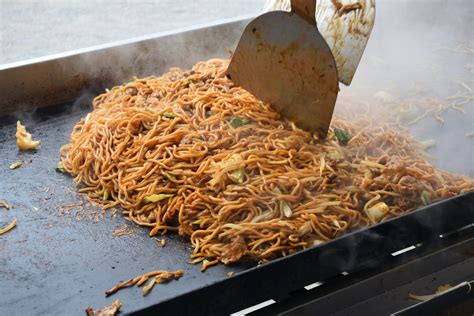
[(342, 136), (106, 195), (60, 168), (425, 198), (16, 165), (237, 121), (157, 197), (169, 115), (429, 143)]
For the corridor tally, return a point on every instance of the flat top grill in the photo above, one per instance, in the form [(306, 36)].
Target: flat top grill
[(53, 264)]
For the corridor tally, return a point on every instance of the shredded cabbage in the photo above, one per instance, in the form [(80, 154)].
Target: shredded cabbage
[(157, 197)]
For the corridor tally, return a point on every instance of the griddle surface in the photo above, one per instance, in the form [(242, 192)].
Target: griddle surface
[(59, 265)]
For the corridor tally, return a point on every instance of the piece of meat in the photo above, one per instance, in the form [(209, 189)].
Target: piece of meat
[(394, 165), (236, 249), (383, 159), (408, 185), (405, 203), (106, 311)]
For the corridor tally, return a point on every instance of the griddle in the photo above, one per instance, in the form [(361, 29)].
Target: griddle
[(51, 264)]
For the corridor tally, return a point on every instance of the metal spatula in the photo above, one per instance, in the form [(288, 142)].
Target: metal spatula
[(284, 60)]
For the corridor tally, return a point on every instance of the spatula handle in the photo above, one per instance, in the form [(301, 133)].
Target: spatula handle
[(305, 9)]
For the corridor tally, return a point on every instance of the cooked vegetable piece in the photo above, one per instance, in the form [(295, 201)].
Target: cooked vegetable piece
[(169, 115), (287, 209), (169, 176), (342, 136), (429, 143), (16, 165), (157, 197), (60, 168), (377, 212), (23, 138), (227, 166), (237, 121), (426, 198), (317, 242), (334, 155), (237, 175), (186, 83), (305, 228)]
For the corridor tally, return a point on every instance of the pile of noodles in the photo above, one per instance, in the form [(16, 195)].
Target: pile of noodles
[(191, 152)]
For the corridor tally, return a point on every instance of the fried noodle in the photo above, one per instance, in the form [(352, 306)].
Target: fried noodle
[(192, 152)]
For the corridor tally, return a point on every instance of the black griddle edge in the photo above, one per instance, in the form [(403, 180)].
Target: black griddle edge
[(360, 250)]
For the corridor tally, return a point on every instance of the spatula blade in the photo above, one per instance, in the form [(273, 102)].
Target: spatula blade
[(283, 60)]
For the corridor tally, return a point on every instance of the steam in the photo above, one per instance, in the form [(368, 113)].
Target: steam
[(88, 74), (408, 40), (111, 66), (415, 45), (422, 49), (418, 50)]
